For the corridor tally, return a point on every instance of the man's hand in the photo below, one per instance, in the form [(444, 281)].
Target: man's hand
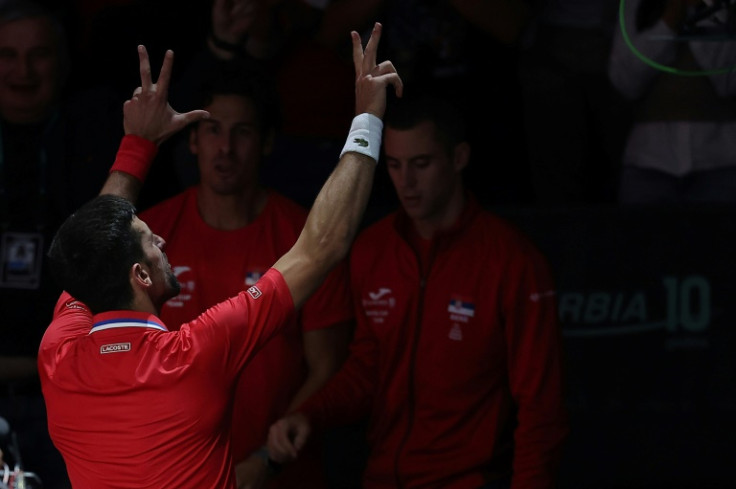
[(232, 19), (287, 436), (251, 473), (148, 113), (371, 79)]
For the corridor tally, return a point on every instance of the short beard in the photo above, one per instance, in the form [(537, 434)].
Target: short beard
[(174, 285)]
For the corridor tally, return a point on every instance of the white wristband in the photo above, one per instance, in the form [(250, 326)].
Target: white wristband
[(365, 136)]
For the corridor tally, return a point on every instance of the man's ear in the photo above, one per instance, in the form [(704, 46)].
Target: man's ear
[(139, 276), (461, 156)]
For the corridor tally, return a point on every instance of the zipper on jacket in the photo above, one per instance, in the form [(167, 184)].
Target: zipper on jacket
[(411, 401)]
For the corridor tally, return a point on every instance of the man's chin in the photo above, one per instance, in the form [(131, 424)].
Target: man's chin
[(413, 211), (174, 288)]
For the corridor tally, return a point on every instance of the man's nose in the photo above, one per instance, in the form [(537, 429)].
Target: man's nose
[(25, 66), (160, 242), (225, 143), (408, 176)]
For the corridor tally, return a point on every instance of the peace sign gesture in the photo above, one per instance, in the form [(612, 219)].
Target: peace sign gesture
[(148, 113), (371, 79)]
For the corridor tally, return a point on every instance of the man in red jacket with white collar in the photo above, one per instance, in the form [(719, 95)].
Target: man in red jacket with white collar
[(456, 359)]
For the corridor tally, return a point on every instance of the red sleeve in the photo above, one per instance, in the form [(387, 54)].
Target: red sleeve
[(535, 370), (68, 309), (235, 329), (71, 318)]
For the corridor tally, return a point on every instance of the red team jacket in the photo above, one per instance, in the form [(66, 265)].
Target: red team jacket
[(459, 367)]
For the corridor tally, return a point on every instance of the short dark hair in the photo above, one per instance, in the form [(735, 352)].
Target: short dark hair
[(412, 109), (93, 250), (246, 80)]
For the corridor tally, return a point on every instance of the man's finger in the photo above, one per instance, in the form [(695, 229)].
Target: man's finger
[(386, 71), (395, 80), (145, 67), (162, 84), (357, 53), (300, 439), (385, 67), (371, 48), (279, 443), (193, 116)]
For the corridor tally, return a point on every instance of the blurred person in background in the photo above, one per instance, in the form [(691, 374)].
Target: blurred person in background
[(683, 139), (55, 145)]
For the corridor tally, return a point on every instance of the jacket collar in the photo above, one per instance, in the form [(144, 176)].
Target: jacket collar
[(125, 319), (403, 223)]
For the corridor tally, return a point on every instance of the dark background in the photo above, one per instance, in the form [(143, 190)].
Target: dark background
[(646, 293)]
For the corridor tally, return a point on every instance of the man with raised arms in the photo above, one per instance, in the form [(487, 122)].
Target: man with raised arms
[(130, 403)]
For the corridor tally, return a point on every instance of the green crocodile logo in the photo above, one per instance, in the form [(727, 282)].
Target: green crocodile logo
[(361, 142)]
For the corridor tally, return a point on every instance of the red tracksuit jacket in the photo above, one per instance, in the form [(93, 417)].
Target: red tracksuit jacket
[(459, 366)]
